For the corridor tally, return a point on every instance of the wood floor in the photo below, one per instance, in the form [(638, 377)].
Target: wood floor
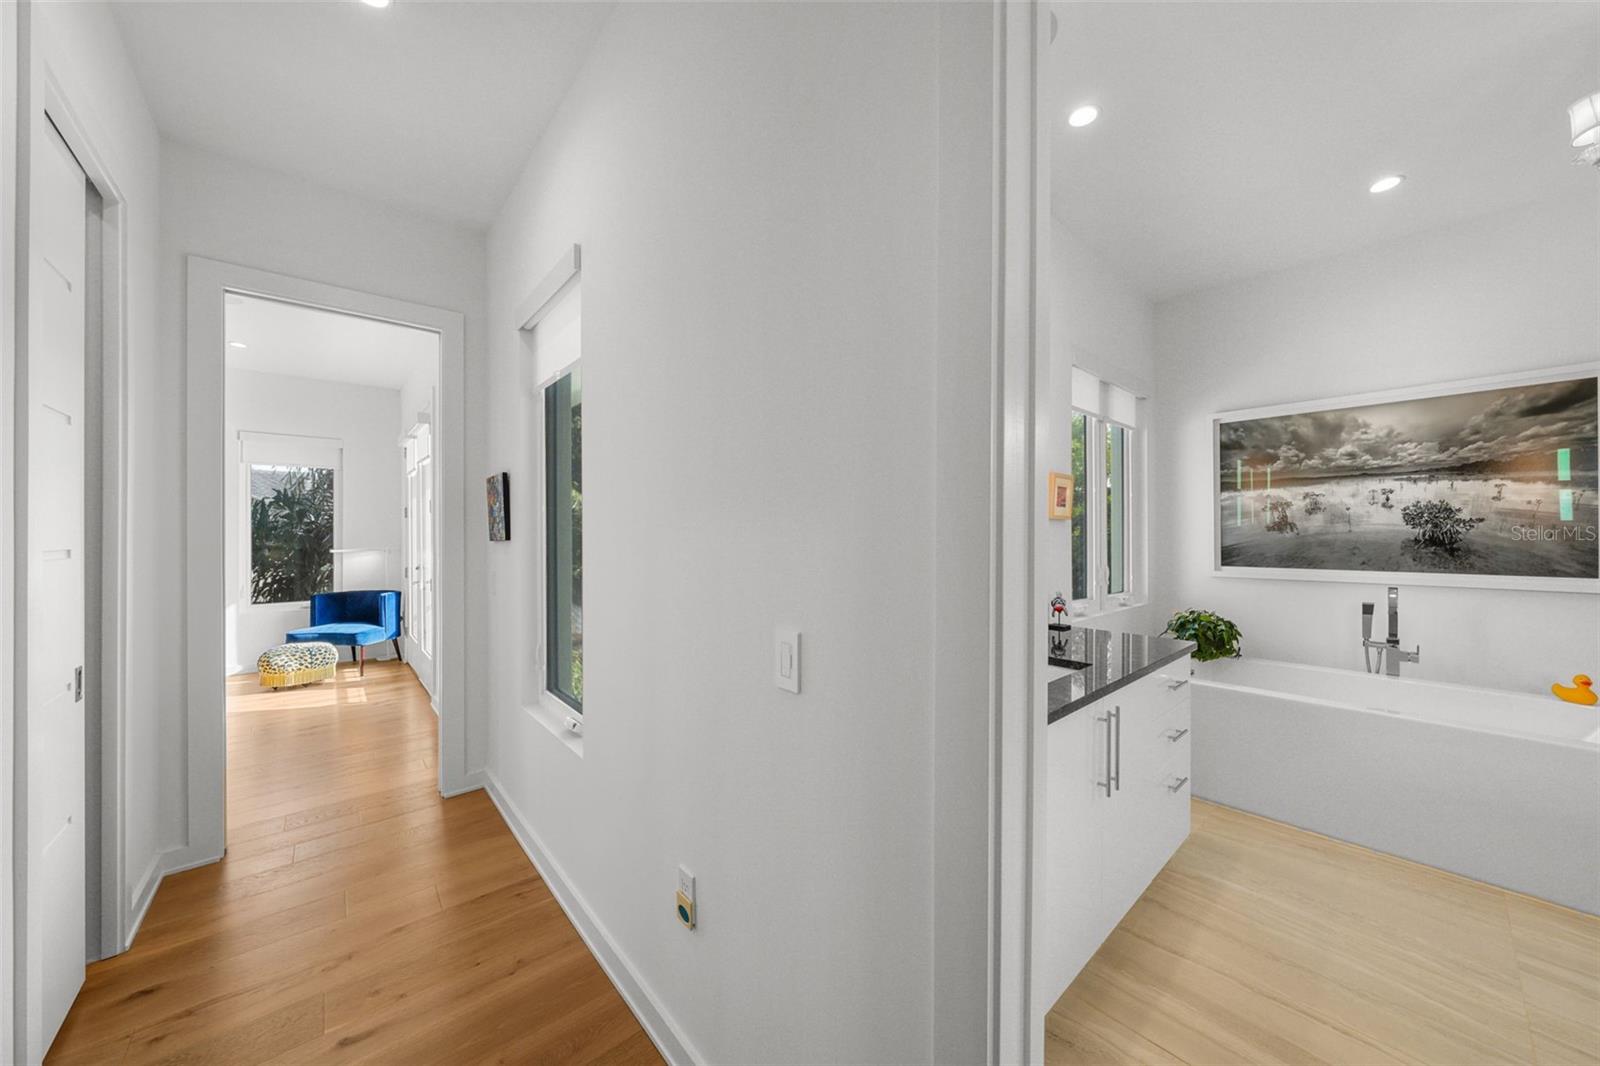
[(1263, 943), (358, 917)]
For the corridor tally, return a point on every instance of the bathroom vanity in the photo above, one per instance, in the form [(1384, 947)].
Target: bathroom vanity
[(1117, 789)]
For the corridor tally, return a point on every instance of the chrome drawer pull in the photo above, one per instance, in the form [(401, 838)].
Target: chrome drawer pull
[(1176, 735), (1106, 784), (1116, 716), (1178, 684), (1177, 784)]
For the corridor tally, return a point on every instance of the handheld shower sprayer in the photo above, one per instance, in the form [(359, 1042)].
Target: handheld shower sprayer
[(1366, 635)]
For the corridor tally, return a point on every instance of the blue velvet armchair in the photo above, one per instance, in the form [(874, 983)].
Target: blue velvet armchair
[(356, 618)]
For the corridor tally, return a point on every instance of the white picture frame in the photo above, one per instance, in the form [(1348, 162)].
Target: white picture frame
[(1587, 585)]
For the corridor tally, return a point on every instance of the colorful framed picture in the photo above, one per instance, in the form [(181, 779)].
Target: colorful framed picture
[(499, 506), (1060, 495)]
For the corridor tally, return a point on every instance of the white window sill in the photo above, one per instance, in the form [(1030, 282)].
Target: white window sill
[(1108, 614), (552, 714)]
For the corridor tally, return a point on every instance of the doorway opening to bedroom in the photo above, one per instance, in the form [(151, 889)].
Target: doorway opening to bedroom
[(329, 531)]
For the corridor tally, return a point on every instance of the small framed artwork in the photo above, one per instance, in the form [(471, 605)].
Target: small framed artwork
[(1060, 495), (499, 506)]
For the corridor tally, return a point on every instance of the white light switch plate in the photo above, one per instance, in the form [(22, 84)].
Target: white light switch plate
[(786, 659)]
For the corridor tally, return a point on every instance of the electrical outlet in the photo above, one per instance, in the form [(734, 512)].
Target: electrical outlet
[(686, 906)]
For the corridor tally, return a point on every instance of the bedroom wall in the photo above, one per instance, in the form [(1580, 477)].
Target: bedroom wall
[(222, 209), (369, 515), (1508, 292)]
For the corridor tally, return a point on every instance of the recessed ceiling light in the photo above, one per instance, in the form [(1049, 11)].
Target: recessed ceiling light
[(1387, 182), (376, 3), (236, 344), (1082, 116)]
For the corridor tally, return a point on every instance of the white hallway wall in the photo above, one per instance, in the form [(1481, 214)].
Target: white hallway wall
[(237, 213), (1513, 291), (757, 191), (364, 418), (82, 47)]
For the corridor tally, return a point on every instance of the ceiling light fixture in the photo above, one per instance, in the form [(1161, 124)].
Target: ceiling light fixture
[(376, 3), (1082, 116), (1585, 118), (236, 344), (1387, 182)]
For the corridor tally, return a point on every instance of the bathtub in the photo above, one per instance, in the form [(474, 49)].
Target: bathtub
[(1497, 786)]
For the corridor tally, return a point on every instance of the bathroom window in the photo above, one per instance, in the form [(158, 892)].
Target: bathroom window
[(1106, 495), (1080, 492), (1116, 509)]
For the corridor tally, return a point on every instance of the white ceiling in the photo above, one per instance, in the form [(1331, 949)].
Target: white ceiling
[(1236, 138), (306, 342), (432, 105)]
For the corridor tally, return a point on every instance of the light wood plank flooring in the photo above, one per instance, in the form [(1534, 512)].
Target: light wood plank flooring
[(358, 917), (1263, 943)]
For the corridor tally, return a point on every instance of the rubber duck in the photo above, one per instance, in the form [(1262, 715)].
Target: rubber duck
[(1580, 691)]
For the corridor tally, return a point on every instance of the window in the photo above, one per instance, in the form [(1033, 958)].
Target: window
[(552, 338), (291, 532), (289, 491), (1105, 495), (563, 447), (1080, 487)]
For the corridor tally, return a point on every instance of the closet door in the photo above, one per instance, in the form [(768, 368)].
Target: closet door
[(53, 479)]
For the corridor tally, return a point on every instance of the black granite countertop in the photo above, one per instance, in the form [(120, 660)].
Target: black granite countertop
[(1115, 660)]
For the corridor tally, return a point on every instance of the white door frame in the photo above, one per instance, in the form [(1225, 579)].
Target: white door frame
[(35, 99), (10, 61), (1020, 696), (208, 283), (116, 899)]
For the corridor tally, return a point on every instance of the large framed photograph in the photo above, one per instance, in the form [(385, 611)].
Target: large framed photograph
[(1487, 483)]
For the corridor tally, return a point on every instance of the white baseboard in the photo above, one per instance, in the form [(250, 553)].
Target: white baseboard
[(471, 783), (171, 861), (668, 1038)]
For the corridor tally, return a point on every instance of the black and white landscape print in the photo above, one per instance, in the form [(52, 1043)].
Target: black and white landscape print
[(1494, 482)]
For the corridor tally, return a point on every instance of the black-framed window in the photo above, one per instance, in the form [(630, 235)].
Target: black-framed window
[(563, 441)]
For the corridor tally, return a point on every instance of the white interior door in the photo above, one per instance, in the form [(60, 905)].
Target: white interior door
[(425, 554), (54, 476)]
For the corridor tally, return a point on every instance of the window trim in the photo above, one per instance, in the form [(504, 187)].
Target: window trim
[(562, 281)]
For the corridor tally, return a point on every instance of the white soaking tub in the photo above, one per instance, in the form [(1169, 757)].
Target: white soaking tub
[(1501, 787)]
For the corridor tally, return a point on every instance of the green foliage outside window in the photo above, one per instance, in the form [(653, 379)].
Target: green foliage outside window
[(291, 533)]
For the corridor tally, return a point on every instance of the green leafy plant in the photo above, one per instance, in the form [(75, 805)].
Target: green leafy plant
[(1214, 636), (1439, 523)]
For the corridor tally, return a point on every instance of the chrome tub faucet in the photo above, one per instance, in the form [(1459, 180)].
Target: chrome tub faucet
[(1390, 654)]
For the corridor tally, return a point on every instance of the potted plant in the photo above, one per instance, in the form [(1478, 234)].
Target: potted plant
[(1213, 635)]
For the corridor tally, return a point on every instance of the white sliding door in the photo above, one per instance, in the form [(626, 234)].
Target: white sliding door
[(54, 495)]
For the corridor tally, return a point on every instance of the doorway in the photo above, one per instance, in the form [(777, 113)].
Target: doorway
[(309, 495)]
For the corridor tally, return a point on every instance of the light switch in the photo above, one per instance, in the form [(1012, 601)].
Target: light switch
[(786, 672)]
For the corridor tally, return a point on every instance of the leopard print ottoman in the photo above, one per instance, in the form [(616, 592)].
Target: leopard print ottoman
[(297, 664)]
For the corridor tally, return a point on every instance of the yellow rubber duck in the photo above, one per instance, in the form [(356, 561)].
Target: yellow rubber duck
[(1580, 691)]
